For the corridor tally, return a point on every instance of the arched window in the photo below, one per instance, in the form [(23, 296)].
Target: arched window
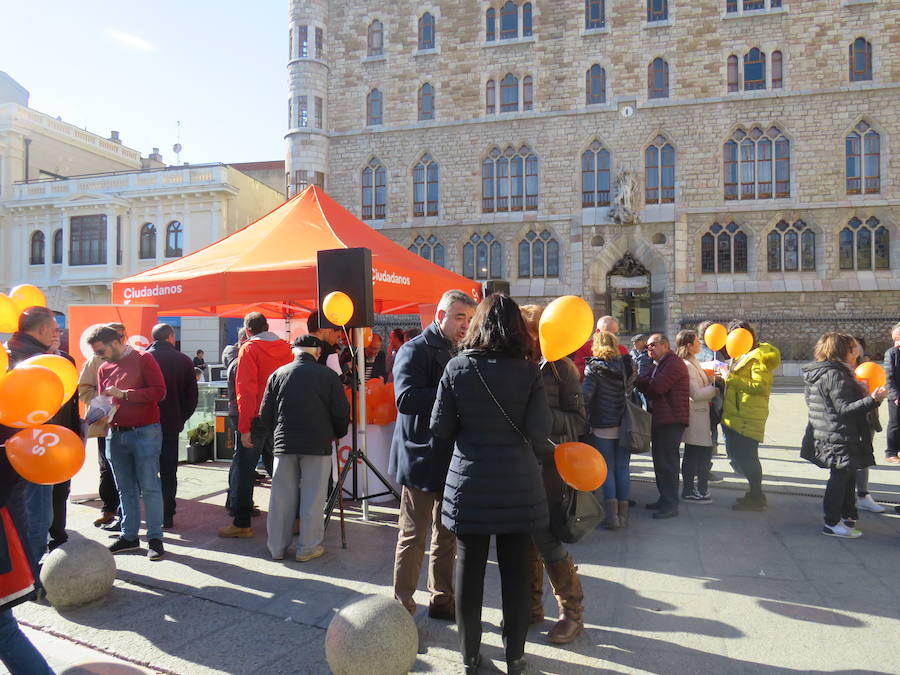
[(733, 84), (758, 161), (595, 176), (425, 187), (657, 10), (376, 38), (174, 239), (527, 93), (509, 180), (509, 93), (791, 248), (754, 70), (860, 60), (538, 255), (777, 70), (658, 79), (490, 98), (374, 191), (482, 257), (723, 250), (526, 20), (38, 242), (659, 172), (864, 246), (509, 21), (490, 25), (863, 153), (147, 247), (594, 14), (57, 247), (659, 239), (430, 249), (374, 108), (426, 31), (426, 102), (595, 85)]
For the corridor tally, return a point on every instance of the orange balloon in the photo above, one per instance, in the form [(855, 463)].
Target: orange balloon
[(739, 342), (46, 455), (63, 368), (580, 465), (872, 374), (29, 396), (384, 413), (389, 394), (338, 308), (4, 360), (9, 315), (374, 391), (565, 325), (367, 337), (715, 336), (26, 295)]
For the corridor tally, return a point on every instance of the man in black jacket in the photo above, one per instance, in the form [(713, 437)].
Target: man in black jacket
[(174, 410), (418, 368), (304, 404), (892, 370)]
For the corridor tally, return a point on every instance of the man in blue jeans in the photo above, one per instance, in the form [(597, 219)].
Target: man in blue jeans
[(134, 379)]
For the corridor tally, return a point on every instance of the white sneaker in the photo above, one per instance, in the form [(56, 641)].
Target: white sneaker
[(841, 530), (868, 504)]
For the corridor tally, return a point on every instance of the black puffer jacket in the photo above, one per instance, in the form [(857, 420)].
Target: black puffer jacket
[(563, 389), (604, 390), (837, 414), (494, 483)]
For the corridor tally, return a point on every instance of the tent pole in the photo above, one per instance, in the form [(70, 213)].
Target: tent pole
[(361, 384)]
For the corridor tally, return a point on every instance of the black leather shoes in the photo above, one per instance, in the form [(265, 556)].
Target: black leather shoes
[(653, 506), (517, 667), (668, 513), (473, 665)]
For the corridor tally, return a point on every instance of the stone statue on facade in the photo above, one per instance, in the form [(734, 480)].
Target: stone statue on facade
[(623, 205)]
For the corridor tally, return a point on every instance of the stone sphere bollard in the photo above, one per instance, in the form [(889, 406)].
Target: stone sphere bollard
[(371, 636), (102, 668), (78, 572)]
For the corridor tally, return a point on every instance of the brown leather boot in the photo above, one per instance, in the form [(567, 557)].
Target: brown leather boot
[(623, 514), (536, 587), (567, 589), (610, 512)]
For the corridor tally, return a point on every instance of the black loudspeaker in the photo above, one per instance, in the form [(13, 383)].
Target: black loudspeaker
[(348, 270), (495, 286)]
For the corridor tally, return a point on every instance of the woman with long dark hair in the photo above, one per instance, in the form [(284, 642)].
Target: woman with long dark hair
[(492, 411)]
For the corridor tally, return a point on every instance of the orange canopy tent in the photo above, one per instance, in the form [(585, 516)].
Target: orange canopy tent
[(270, 266)]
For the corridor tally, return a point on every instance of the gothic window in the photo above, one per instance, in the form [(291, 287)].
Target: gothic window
[(526, 20), (376, 39), (777, 70), (320, 43), (490, 25), (863, 151), (527, 93), (37, 248), (57, 246), (426, 31), (754, 70), (302, 111), (860, 60), (87, 240), (147, 246), (374, 191), (429, 248), (733, 84), (595, 176), (757, 165), (174, 239), (738, 6), (425, 187), (594, 14), (723, 250), (509, 93), (538, 255), (482, 257), (659, 172), (864, 246), (374, 108), (319, 113), (658, 79), (509, 180), (426, 102), (509, 21), (595, 85), (657, 10), (490, 97), (302, 41), (791, 248)]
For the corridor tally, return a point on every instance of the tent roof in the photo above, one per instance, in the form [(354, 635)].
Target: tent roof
[(270, 266)]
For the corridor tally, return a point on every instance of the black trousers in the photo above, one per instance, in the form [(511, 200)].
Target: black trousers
[(664, 443), (471, 561), (745, 452), (245, 471), (840, 496), (893, 430), (695, 465), (109, 495), (168, 472), (60, 500)]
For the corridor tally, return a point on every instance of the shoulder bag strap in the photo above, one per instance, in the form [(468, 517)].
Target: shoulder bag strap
[(491, 394)]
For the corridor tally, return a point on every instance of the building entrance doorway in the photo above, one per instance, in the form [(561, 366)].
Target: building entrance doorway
[(628, 285)]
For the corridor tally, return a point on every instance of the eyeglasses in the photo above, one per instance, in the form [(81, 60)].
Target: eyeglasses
[(654, 344)]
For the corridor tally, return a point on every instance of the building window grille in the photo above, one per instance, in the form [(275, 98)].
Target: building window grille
[(757, 164), (490, 97), (658, 79), (864, 246), (374, 191), (87, 240), (594, 14), (38, 245), (657, 10), (723, 250), (375, 39), (147, 246), (863, 154), (429, 248), (426, 31), (302, 41), (754, 70), (426, 102), (659, 172), (595, 176), (509, 93), (374, 108), (174, 240), (425, 187), (57, 247), (320, 43), (791, 248), (860, 60), (595, 85), (482, 257), (509, 180), (538, 255)]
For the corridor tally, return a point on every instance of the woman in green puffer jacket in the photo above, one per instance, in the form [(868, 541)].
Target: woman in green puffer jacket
[(746, 407)]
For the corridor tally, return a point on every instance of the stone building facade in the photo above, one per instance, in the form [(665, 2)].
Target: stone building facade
[(668, 161)]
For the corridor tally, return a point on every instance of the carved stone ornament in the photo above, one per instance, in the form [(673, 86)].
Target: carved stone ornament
[(623, 206), (628, 266)]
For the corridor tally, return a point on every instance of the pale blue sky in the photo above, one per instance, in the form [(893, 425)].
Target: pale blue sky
[(139, 67)]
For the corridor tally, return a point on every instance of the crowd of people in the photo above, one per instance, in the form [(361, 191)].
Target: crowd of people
[(479, 414)]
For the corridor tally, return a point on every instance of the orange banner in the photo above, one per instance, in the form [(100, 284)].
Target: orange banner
[(138, 319)]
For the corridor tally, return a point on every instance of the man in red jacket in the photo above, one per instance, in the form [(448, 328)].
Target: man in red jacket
[(667, 389), (262, 354)]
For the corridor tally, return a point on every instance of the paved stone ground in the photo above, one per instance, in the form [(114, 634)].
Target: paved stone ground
[(713, 591)]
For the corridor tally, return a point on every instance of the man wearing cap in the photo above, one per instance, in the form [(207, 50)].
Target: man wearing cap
[(639, 355), (305, 406)]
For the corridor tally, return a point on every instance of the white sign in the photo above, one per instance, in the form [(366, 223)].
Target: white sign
[(629, 282)]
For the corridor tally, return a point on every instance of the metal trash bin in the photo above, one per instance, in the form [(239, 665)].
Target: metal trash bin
[(224, 436)]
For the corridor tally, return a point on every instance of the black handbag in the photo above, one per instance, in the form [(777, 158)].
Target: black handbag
[(634, 429)]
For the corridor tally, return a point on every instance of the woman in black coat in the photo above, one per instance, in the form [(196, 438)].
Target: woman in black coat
[(492, 411), (838, 436)]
